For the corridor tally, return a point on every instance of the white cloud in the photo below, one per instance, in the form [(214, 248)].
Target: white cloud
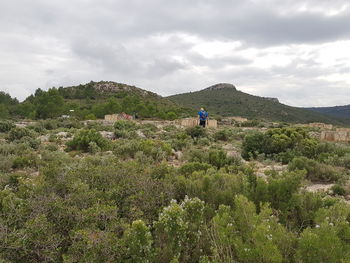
[(292, 49)]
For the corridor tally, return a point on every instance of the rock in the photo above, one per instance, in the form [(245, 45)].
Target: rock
[(62, 134), (44, 138), (140, 134), (319, 188), (178, 155), (108, 135)]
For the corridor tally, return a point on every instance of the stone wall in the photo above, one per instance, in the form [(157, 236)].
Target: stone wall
[(192, 122), (321, 125), (117, 117), (336, 136)]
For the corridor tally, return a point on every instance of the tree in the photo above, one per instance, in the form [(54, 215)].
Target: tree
[(49, 104)]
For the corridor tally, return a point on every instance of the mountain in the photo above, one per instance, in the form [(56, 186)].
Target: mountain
[(225, 100), (337, 111), (95, 100)]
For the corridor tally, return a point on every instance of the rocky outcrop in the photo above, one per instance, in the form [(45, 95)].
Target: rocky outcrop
[(221, 86)]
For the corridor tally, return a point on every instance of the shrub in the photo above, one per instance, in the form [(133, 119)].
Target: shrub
[(124, 125), (189, 168), (6, 126), (19, 133), (277, 141), (157, 150), (171, 116), (196, 132), (6, 163), (125, 129), (316, 171), (21, 162), (90, 116), (253, 144), (250, 123), (83, 139), (222, 135), (338, 190), (218, 158)]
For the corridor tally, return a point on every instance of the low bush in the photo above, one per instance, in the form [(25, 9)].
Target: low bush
[(6, 126), (317, 172), (155, 149), (189, 168), (125, 129), (339, 190), (19, 133), (196, 132), (83, 140)]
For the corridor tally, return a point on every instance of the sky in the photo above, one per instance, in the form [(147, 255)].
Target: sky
[(296, 51)]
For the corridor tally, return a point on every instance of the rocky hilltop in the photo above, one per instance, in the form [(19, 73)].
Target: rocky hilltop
[(220, 86)]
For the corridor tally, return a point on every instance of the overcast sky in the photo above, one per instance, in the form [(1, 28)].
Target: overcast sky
[(297, 51)]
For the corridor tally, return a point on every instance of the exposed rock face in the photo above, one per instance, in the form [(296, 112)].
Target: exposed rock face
[(221, 86)]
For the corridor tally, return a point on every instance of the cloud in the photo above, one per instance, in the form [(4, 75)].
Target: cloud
[(295, 50)]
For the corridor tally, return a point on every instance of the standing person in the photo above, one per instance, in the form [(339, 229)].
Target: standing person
[(203, 117)]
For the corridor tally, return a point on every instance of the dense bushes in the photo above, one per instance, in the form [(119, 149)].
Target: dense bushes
[(316, 171), (6, 126), (19, 133), (88, 140), (144, 202), (157, 150), (273, 141)]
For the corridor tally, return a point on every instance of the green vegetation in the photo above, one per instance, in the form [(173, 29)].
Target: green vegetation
[(151, 192), (225, 100), (90, 101)]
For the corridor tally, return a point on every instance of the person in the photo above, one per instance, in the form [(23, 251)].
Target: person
[(203, 117)]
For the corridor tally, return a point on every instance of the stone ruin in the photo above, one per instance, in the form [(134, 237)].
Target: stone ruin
[(233, 119), (321, 125), (192, 122), (339, 135), (117, 117)]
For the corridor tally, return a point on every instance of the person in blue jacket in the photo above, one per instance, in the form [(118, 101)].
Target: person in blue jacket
[(203, 117)]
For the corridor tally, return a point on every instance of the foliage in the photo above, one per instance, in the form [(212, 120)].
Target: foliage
[(19, 133), (227, 101), (196, 132), (316, 171), (141, 202), (6, 126), (87, 140)]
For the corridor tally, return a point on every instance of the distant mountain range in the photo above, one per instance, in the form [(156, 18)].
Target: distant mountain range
[(225, 100), (337, 111), (95, 99)]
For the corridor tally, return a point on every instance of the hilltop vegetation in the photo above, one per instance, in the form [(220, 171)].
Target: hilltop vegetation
[(154, 192), (226, 100), (336, 112), (91, 101)]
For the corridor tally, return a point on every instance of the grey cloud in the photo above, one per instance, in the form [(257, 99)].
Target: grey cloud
[(143, 43)]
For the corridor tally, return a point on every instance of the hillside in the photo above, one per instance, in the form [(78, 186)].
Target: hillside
[(96, 99), (150, 191), (226, 100), (337, 111)]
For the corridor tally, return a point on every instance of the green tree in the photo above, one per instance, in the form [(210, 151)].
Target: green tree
[(49, 104)]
